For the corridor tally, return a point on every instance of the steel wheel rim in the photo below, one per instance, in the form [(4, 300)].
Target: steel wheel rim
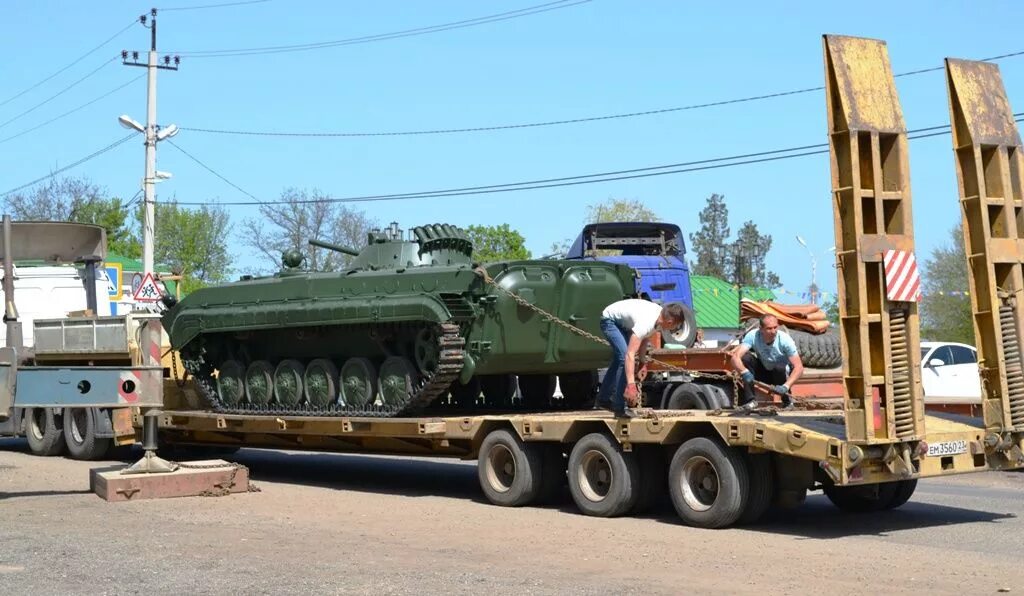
[(356, 384), (425, 350), (38, 422), (230, 384), (395, 380), (595, 476), (319, 385), (700, 483), (501, 468), (681, 333), (78, 422), (258, 384), (288, 386)]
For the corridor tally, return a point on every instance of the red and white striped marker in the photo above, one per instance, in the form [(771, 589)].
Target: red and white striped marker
[(902, 282)]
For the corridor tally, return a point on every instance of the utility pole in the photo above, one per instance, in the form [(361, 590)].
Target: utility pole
[(153, 134)]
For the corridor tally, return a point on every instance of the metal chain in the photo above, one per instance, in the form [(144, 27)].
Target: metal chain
[(223, 490)]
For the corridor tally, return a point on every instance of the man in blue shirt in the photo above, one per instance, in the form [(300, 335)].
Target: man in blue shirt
[(770, 357)]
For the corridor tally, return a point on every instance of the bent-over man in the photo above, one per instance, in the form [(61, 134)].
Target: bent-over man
[(770, 357)]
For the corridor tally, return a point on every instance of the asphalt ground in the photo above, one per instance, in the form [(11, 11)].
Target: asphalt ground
[(327, 523)]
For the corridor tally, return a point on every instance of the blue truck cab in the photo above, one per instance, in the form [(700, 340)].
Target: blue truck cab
[(656, 251)]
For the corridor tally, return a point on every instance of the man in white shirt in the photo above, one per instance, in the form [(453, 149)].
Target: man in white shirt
[(769, 356), (629, 325)]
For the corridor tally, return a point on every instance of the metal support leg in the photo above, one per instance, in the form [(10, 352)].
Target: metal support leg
[(150, 462)]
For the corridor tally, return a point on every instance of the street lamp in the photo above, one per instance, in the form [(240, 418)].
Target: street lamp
[(814, 267)]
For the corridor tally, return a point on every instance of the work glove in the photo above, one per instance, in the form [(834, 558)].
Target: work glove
[(632, 395), (747, 376), (781, 390)]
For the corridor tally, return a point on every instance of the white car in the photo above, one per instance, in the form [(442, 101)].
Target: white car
[(949, 373)]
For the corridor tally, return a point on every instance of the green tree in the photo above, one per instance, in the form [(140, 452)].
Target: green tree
[(193, 242), (946, 316), (619, 210), (749, 251), (497, 243), (710, 245), (303, 215), (79, 200), (831, 308)]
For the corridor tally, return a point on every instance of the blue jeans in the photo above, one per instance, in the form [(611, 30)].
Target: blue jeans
[(615, 378)]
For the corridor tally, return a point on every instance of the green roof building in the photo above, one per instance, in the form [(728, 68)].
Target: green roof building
[(716, 304)]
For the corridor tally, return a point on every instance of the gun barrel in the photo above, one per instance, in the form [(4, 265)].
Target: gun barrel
[(342, 249)]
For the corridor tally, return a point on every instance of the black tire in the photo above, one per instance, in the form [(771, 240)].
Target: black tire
[(80, 435), (44, 431), (762, 487), (686, 334), (465, 396), (686, 396), (510, 471), (817, 350), (653, 477), (604, 481), (715, 396), (709, 483), (537, 391), (904, 490), (498, 390), (578, 388), (867, 498)]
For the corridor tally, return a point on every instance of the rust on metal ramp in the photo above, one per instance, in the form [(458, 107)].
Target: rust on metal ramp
[(981, 108), (194, 479), (864, 83)]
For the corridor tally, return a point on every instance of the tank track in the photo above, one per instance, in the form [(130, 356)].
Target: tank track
[(429, 387)]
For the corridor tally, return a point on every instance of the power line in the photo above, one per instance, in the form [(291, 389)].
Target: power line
[(205, 6), (133, 200), (77, 60), (92, 155), (58, 94), (441, 131), (513, 14), (212, 171), (676, 168), (69, 112)]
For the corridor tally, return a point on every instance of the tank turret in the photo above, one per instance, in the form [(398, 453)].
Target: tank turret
[(426, 246)]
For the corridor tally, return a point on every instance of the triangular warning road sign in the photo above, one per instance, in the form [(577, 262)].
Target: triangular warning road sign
[(147, 291)]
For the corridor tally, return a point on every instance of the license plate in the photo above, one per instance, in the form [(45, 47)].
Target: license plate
[(947, 448)]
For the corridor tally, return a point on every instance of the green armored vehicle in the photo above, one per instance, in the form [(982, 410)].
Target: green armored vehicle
[(412, 321)]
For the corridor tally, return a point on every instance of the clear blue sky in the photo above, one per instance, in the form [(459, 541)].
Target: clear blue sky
[(601, 57)]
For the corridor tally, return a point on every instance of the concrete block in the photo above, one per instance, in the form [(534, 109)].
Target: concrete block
[(196, 478)]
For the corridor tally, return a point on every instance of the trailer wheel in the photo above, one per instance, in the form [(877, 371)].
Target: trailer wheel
[(80, 435), (44, 430), (866, 498), (709, 483), (604, 481), (762, 488), (509, 470), (904, 490), (686, 396), (653, 477)]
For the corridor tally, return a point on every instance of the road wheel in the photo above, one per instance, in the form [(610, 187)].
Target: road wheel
[(537, 391), (44, 430), (866, 498), (687, 396), (498, 390), (708, 482), (288, 382), (320, 383), (510, 471), (80, 435), (231, 382), (604, 481), (358, 382), (578, 388), (653, 477), (259, 382), (762, 487), (465, 396), (397, 379)]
